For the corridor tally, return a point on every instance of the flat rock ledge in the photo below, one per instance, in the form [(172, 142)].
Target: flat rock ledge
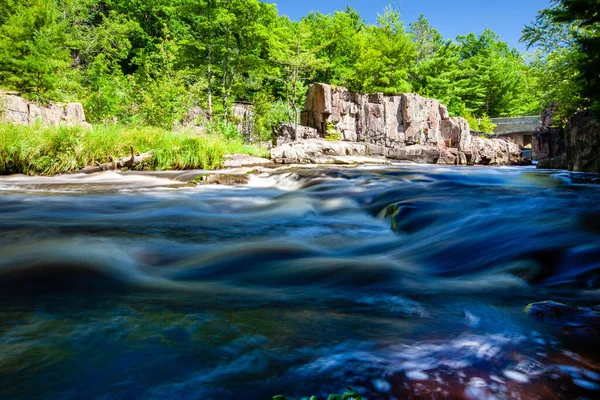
[(244, 160), (321, 151)]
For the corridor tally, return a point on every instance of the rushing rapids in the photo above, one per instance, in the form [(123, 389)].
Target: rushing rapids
[(400, 282)]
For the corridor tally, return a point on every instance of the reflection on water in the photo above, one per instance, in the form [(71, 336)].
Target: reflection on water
[(401, 282)]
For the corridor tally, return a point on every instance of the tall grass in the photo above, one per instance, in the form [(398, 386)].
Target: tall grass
[(45, 150)]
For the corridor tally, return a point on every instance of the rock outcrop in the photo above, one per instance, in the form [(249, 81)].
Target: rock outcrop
[(583, 143), (386, 121), (19, 111), (406, 127)]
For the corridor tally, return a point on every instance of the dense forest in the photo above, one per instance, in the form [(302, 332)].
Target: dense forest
[(146, 62)]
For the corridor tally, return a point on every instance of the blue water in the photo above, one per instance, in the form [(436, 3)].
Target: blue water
[(400, 282)]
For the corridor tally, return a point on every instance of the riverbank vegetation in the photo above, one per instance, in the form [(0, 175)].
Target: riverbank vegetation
[(149, 62), (49, 150)]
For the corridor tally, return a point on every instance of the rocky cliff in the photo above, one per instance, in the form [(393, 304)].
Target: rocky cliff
[(17, 110), (403, 127)]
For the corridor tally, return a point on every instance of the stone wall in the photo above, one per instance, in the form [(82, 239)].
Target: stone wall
[(17, 110)]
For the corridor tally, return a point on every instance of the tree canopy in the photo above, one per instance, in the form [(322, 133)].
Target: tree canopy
[(567, 61), (148, 61)]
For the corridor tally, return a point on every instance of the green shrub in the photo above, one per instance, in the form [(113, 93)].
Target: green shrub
[(267, 114), (482, 124), (332, 133)]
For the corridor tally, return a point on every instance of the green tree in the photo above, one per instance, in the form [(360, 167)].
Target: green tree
[(298, 62), (568, 34), (337, 38), (386, 54), (495, 73), (34, 57)]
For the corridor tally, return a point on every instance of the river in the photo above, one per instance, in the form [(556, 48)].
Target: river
[(399, 282)]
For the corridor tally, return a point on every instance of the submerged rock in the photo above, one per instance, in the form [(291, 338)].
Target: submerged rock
[(221, 179), (560, 162), (581, 321)]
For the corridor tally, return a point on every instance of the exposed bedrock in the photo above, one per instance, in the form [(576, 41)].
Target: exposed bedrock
[(406, 127), (16, 110)]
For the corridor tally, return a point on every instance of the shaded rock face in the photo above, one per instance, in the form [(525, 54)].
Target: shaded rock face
[(19, 111), (583, 143), (548, 143), (406, 127)]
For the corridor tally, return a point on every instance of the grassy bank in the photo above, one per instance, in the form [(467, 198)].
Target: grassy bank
[(45, 150)]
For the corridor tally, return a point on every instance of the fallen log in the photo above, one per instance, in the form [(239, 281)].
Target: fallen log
[(126, 162)]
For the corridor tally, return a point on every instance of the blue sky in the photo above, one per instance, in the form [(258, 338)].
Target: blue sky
[(450, 17)]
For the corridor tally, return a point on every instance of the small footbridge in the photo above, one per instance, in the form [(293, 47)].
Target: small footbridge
[(517, 129)]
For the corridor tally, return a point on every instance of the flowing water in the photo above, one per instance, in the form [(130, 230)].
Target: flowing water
[(399, 282)]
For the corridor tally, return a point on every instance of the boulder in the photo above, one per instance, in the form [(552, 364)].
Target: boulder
[(286, 133), (495, 152), (195, 116), (406, 127), (448, 157), (583, 143)]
